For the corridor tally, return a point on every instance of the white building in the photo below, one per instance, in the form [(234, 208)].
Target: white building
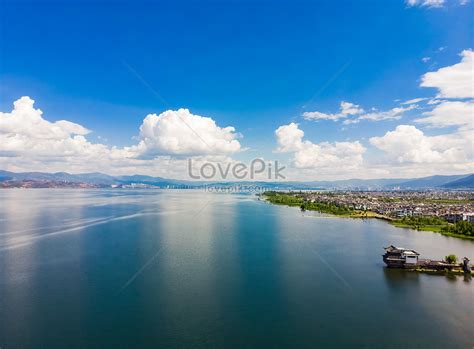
[(468, 217), (411, 257)]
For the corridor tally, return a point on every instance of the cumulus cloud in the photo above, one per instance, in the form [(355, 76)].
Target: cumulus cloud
[(25, 132), (346, 109), (407, 144), (324, 157), (289, 138), (350, 109), (179, 132), (452, 113), (25, 119), (404, 152), (456, 81)]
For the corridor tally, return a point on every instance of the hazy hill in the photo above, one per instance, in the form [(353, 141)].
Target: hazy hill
[(429, 182), (465, 182), (96, 178)]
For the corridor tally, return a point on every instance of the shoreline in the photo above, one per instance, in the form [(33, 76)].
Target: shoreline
[(373, 215)]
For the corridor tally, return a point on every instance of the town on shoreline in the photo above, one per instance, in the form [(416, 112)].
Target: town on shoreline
[(448, 212)]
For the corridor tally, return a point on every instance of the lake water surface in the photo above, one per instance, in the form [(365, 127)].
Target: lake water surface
[(149, 268)]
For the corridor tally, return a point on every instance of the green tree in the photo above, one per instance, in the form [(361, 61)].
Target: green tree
[(451, 259), (462, 228)]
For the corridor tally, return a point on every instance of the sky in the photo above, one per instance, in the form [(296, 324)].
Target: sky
[(329, 89)]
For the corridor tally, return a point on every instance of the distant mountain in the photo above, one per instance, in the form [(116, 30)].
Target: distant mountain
[(95, 178), (467, 182), (100, 179), (92, 178), (362, 184), (428, 182)]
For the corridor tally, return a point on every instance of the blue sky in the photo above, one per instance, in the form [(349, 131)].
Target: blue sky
[(252, 65)]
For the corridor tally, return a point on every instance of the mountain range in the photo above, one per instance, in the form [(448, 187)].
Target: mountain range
[(103, 180)]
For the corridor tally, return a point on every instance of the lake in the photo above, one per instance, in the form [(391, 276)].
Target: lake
[(149, 268)]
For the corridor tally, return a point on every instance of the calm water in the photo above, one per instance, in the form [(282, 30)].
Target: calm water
[(187, 268)]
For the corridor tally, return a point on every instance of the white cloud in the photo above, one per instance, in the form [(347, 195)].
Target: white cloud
[(316, 115), (426, 59), (414, 100), (435, 101), (346, 109), (392, 114), (330, 157), (289, 138), (25, 132), (453, 113), (353, 113), (26, 120), (432, 3), (426, 3), (350, 109), (182, 133), (407, 144), (324, 157), (456, 81)]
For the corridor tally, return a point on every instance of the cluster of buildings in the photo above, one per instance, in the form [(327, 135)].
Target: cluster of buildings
[(27, 184), (451, 206)]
